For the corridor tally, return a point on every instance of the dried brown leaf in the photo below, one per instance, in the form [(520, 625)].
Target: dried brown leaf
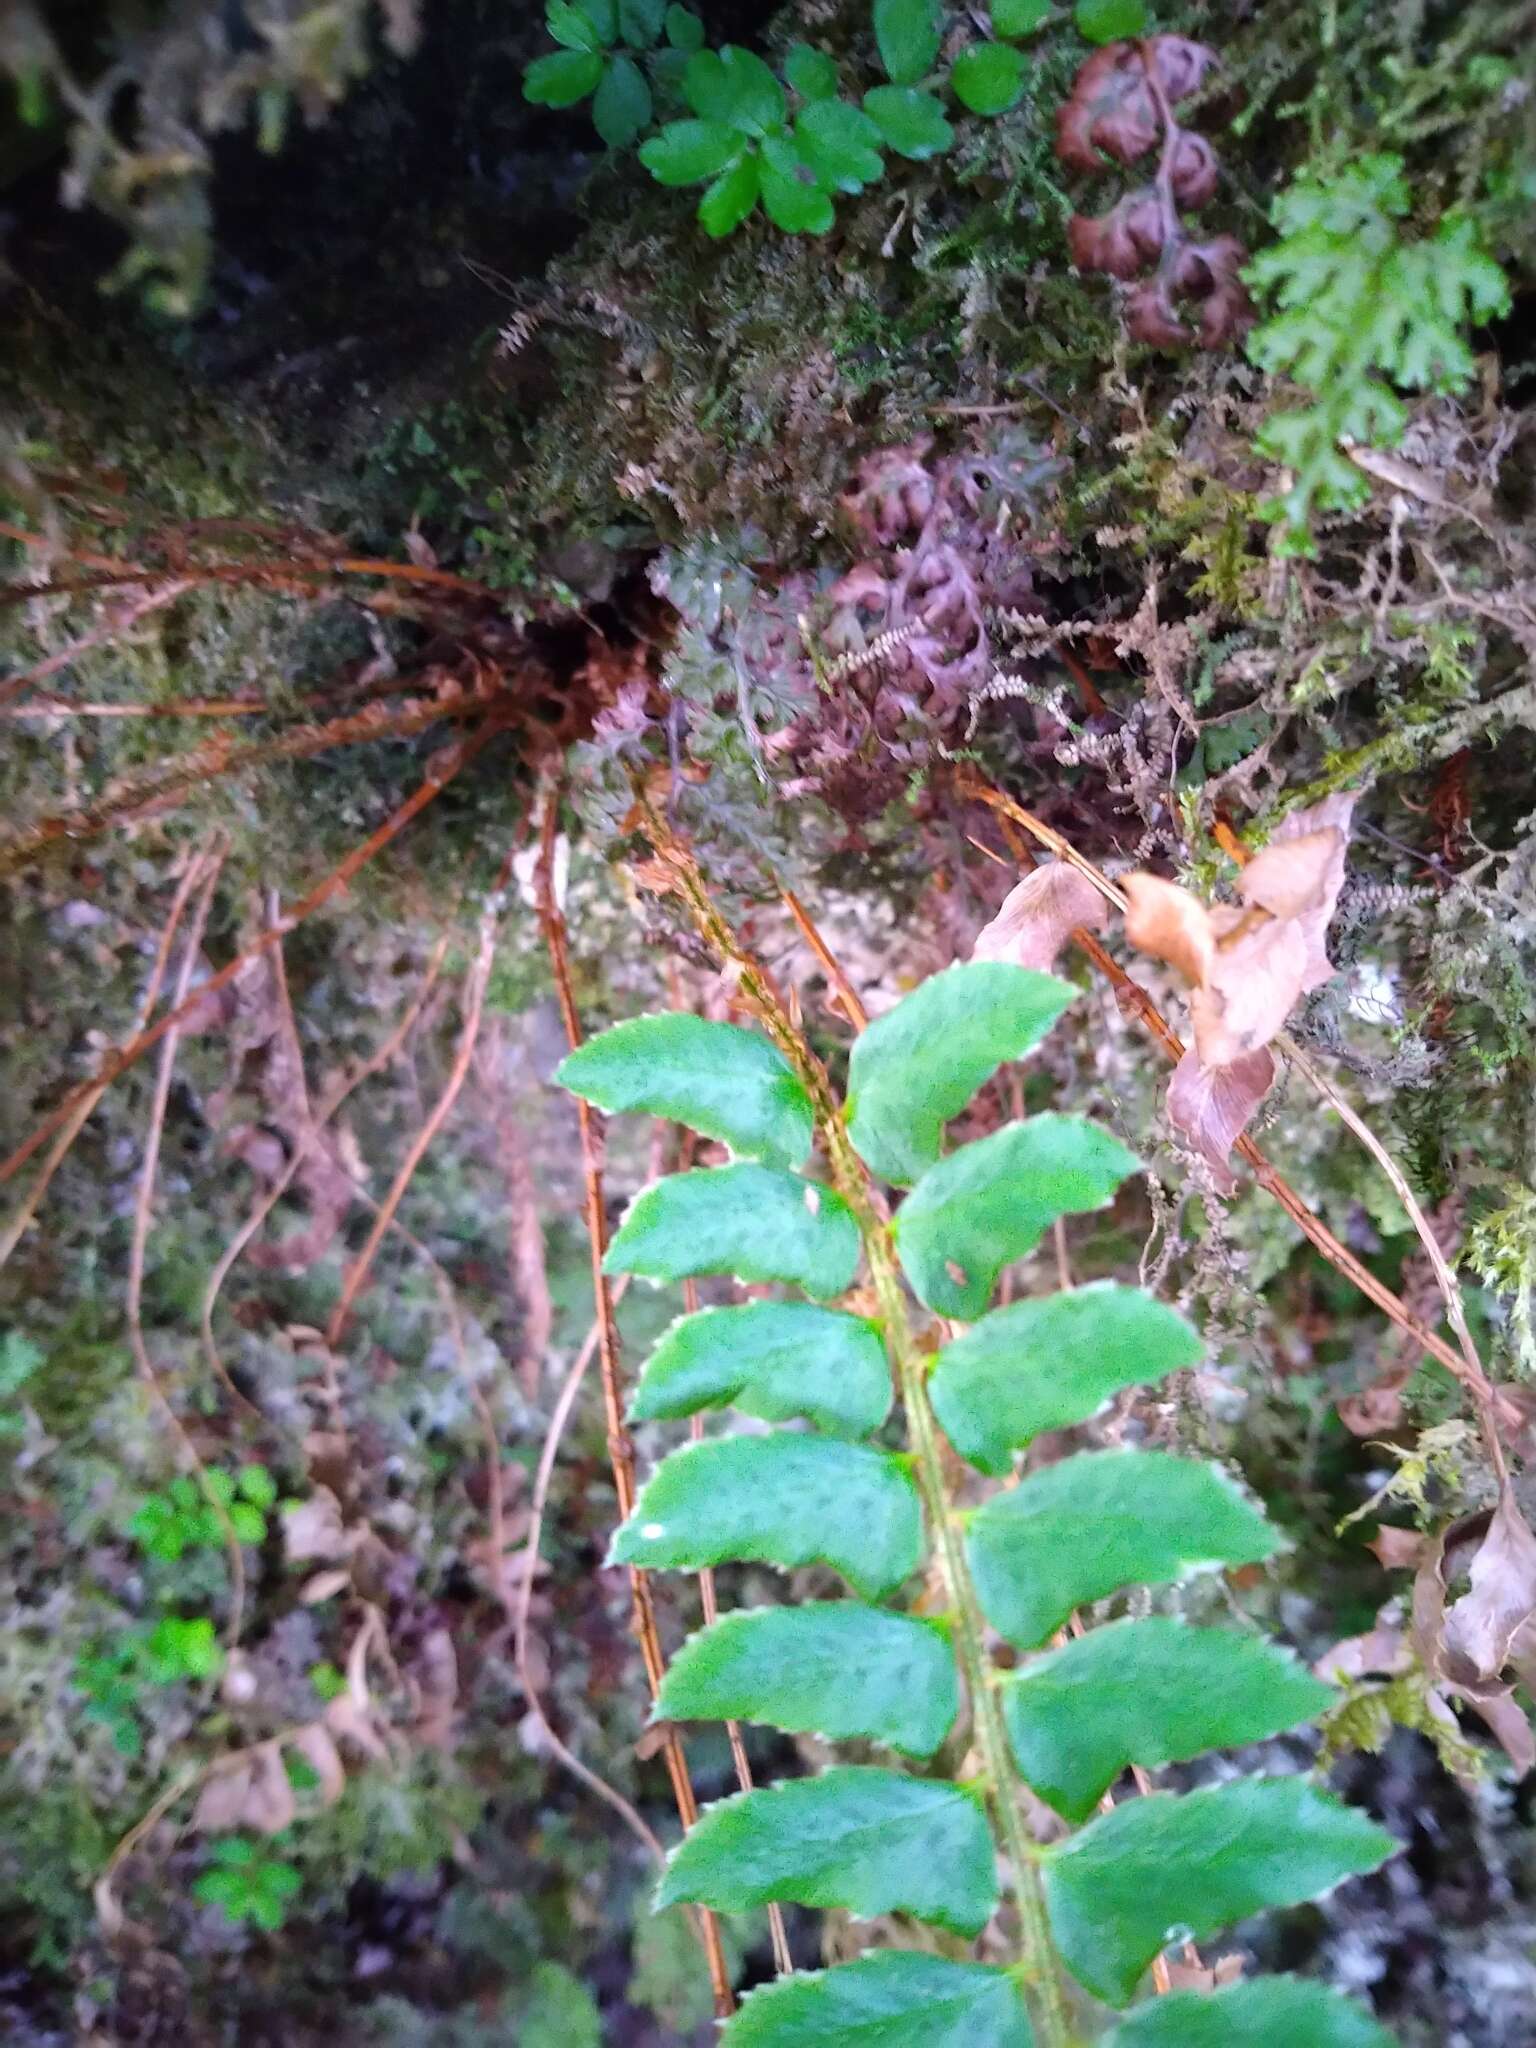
[(269, 1802), (1481, 1626), (325, 1585), (318, 1748), (1165, 920), (1382, 1652), (221, 1803), (1211, 1106), (313, 1528), (1038, 916), (1398, 1550)]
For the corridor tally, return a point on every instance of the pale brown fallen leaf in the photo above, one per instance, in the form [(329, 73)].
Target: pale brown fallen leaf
[(313, 1528), (1479, 1628), (221, 1803), (1196, 1977), (1163, 919), (1211, 1106), (1398, 1550), (270, 1805), (1038, 915), (318, 1748), (1382, 1652), (325, 1585), (1248, 965)]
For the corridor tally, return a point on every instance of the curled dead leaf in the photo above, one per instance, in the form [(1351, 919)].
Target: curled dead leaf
[(1196, 1977), (1469, 1641), (1163, 919), (325, 1585), (1038, 915), (318, 1748), (221, 1803), (313, 1528), (1398, 1550), (1211, 1106), (1382, 1652), (1248, 965), (270, 1805)]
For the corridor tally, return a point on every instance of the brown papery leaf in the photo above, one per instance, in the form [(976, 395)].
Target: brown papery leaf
[(1398, 1550), (269, 1803), (221, 1803), (318, 1749), (1290, 876), (313, 1528), (1163, 919), (1038, 915), (1480, 1627), (1256, 978), (1211, 1106)]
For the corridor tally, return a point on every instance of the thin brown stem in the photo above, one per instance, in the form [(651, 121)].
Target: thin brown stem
[(445, 767), (143, 1209), (621, 1449), (170, 779), (81, 1113), (309, 1137), (709, 1605), (475, 984)]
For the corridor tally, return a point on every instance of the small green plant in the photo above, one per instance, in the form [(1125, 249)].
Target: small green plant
[(792, 143), (247, 1882), (19, 1360), (1358, 308), (113, 1676), (186, 1517), (1069, 1717), (610, 55)]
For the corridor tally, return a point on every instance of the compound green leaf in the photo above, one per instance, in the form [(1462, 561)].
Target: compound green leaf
[(685, 31), (562, 78), (1048, 1363), (988, 78), (731, 197), (895, 1999), (839, 144), (1164, 1869), (907, 35), (774, 1359), (1269, 2012), (811, 72), (1080, 1530), (830, 1668), (784, 1500), (640, 22), (989, 1203), (686, 153), (869, 1841), (582, 24), (735, 86), (1018, 17), (1148, 1692), (913, 1069), (727, 1083), (911, 122), (753, 1221), (621, 107), (1109, 21), (793, 198)]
